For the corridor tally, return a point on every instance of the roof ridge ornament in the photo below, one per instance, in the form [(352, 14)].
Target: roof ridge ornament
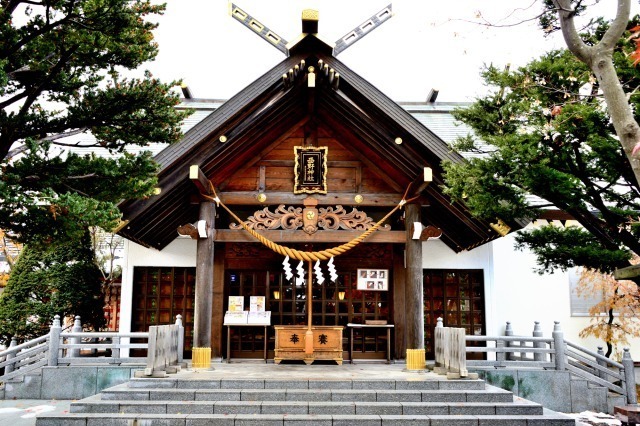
[(260, 29), (350, 38), (310, 18)]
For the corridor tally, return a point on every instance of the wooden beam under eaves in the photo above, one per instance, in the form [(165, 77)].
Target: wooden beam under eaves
[(199, 179), (427, 179)]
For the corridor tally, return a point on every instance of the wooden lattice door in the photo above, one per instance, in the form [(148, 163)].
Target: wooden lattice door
[(456, 296), (159, 295)]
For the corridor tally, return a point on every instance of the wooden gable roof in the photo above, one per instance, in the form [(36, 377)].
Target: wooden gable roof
[(365, 121)]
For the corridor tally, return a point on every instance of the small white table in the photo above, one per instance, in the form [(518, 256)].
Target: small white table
[(351, 326), (266, 338)]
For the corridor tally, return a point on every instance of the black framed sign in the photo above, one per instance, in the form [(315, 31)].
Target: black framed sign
[(373, 279), (310, 169)]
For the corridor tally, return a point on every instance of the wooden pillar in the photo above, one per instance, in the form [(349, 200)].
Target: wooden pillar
[(399, 314), (413, 285), (217, 319), (204, 279)]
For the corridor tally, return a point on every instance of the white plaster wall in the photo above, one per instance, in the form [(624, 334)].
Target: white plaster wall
[(521, 295), (515, 292)]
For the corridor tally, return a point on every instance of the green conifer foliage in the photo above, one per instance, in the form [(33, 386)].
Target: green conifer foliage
[(67, 80), (47, 280), (545, 131)]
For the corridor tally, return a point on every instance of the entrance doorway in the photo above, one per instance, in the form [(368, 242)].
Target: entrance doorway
[(456, 296), (334, 303)]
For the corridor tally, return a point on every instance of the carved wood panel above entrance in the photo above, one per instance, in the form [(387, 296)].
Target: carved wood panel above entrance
[(291, 218)]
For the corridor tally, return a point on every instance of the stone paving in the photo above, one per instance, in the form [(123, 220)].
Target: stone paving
[(317, 370)]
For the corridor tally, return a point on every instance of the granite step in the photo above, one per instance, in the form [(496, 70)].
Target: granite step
[(302, 407), (266, 402), (102, 419), (391, 384), (357, 395)]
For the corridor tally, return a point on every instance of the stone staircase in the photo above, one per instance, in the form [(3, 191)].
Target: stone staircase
[(415, 400)]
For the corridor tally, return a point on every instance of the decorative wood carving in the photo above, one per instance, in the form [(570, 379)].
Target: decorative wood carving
[(291, 218), (430, 232), (283, 217), (188, 230), (340, 219)]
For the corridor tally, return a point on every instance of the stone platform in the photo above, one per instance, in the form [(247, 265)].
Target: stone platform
[(266, 394)]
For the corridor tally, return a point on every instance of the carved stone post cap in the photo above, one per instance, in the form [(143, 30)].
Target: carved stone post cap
[(56, 321)]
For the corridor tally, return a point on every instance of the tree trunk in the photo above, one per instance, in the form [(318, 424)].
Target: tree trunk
[(599, 58)]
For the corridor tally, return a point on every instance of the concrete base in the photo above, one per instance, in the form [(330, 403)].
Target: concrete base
[(67, 382), (555, 390), (28, 388)]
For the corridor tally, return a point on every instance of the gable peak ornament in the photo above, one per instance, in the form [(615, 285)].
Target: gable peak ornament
[(310, 18)]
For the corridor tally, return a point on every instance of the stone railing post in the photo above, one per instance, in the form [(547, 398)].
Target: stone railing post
[(180, 338), (438, 347), (601, 363), (54, 341), (500, 355), (537, 332), (629, 377), (115, 349), (558, 344), (77, 328), (9, 367), (508, 331)]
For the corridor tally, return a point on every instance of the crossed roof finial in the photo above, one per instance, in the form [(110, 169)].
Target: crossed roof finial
[(310, 26)]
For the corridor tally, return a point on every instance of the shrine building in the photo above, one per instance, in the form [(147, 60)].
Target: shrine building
[(310, 156)]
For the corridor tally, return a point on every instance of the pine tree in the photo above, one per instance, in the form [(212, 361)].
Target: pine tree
[(61, 86), (55, 279), (545, 131)]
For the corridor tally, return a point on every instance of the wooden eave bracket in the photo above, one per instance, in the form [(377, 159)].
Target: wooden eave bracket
[(198, 230), (425, 233)]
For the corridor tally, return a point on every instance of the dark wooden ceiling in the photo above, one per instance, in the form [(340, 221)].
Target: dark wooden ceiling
[(367, 121)]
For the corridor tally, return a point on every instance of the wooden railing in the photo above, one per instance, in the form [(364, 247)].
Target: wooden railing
[(80, 348), (450, 350), (552, 353), (165, 347)]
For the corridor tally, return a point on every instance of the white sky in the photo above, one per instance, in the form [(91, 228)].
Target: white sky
[(425, 44)]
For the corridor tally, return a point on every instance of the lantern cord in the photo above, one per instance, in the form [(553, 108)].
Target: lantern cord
[(308, 256)]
